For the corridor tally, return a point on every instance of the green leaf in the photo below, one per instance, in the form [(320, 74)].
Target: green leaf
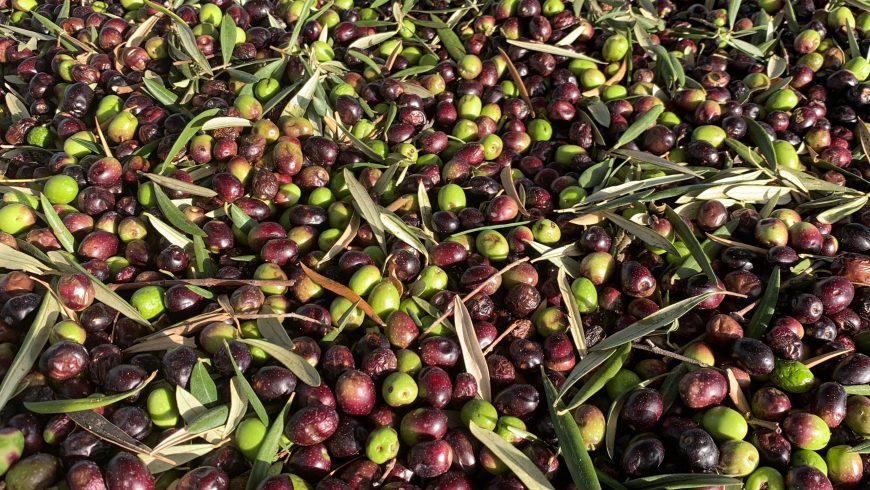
[(303, 16), (203, 265), (641, 124), (159, 92), (370, 41), (81, 404), (451, 42), (766, 306), (863, 448), (185, 37), (272, 330), (31, 347), (681, 480), (205, 293), (298, 104), (15, 260), (747, 48), (64, 237), (64, 10), (101, 292), (692, 244), (836, 213), (238, 407), (253, 399), (762, 140), (863, 390), (180, 185), (178, 455), (101, 427), (175, 215), (187, 134), (202, 387), (208, 420), (597, 382), (585, 366), (665, 316), (571, 443), (367, 208), (403, 232), (268, 449), (513, 458), (690, 266), (554, 50), (167, 231), (240, 219), (291, 360), (227, 38), (645, 234), (575, 322), (645, 157), (472, 354)]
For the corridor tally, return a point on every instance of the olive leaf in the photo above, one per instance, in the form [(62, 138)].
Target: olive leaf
[(671, 385), (291, 360), (187, 134), (249, 392), (82, 404), (575, 323), (341, 290), (202, 387), (176, 456), (659, 319), (641, 124), (99, 426), (158, 91), (551, 49), (227, 38), (344, 241), (645, 234), (681, 480), (272, 330), (862, 448), (298, 104), (188, 406), (520, 464), (168, 232), (857, 390), (571, 266), (268, 448), (64, 237), (585, 366), (367, 208), (510, 188), (710, 247), (180, 185), (836, 213), (691, 242), (472, 354), (185, 36), (31, 346), (607, 371), (645, 157), (766, 306), (238, 407), (175, 215), (226, 122), (451, 42), (571, 442), (203, 265), (403, 232), (101, 292)]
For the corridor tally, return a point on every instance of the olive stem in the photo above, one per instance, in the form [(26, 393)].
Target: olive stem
[(658, 350), (475, 291), (513, 326)]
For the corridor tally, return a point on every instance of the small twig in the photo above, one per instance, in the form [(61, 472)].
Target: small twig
[(513, 326), (474, 292), (659, 351), (202, 282)]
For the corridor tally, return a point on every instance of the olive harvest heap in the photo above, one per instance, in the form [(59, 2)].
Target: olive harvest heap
[(434, 244)]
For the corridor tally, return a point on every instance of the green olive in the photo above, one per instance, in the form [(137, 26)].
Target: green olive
[(615, 48), (724, 424), (162, 407), (382, 444), (481, 412), (249, 435), (149, 301)]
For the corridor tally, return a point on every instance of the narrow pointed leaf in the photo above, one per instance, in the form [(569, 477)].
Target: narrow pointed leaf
[(31, 347), (692, 244), (597, 382), (659, 319), (291, 360), (646, 235), (367, 208), (641, 124), (766, 306), (575, 323), (81, 404), (341, 290), (175, 215), (202, 387), (574, 452), (472, 354), (228, 38), (513, 458), (268, 449), (64, 237)]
